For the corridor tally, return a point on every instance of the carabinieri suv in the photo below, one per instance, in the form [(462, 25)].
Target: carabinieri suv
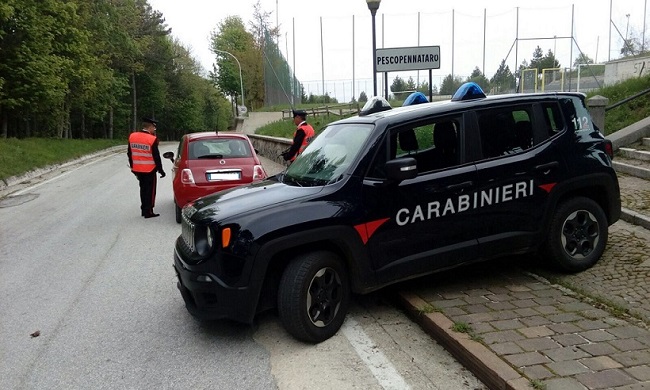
[(396, 193)]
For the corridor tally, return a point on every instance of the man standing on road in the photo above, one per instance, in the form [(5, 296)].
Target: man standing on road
[(144, 160), (301, 137)]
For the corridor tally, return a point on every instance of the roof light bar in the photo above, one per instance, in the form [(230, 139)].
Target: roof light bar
[(468, 91)]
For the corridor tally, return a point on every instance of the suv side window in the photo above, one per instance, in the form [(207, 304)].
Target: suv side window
[(434, 144), (552, 119), (578, 117), (505, 131)]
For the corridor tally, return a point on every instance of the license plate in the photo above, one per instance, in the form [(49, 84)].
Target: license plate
[(223, 176)]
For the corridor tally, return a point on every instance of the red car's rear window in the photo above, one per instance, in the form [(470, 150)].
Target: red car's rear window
[(219, 148)]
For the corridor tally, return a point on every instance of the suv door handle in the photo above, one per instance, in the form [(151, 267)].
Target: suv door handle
[(547, 167), (459, 186)]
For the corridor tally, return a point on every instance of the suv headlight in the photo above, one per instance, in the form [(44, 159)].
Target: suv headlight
[(203, 240)]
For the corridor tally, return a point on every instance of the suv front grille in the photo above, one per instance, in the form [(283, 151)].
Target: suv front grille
[(188, 232)]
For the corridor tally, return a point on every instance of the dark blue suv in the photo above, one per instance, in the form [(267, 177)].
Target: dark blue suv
[(391, 195)]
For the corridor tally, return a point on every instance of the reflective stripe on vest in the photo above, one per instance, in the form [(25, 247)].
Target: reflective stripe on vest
[(141, 151)]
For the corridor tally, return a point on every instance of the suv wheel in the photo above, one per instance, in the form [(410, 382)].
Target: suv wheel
[(313, 296), (179, 211), (578, 234)]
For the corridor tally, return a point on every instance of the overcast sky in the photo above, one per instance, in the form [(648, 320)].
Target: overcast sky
[(193, 20)]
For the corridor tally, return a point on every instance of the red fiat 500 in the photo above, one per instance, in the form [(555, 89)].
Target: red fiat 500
[(211, 162)]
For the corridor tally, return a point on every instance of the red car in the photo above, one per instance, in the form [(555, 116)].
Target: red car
[(210, 162)]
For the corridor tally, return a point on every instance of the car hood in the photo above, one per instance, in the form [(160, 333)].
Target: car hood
[(250, 198)]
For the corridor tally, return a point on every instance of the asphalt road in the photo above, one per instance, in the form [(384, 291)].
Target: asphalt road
[(89, 300)]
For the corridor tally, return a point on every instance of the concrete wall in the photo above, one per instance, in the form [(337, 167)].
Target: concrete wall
[(623, 69), (270, 147)]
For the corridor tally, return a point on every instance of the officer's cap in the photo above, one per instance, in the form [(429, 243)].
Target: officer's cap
[(150, 120), (301, 113)]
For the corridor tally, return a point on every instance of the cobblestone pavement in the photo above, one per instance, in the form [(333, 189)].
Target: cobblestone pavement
[(635, 193), (521, 325)]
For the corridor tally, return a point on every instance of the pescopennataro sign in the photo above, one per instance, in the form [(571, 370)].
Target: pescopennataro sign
[(408, 58)]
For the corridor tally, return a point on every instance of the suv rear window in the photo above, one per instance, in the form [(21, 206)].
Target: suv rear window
[(219, 148)]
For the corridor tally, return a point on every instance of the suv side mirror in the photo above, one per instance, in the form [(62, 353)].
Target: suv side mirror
[(401, 169), (169, 155)]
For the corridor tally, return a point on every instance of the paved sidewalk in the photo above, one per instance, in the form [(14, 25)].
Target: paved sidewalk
[(520, 326)]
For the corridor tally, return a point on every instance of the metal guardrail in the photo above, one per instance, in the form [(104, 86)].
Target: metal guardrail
[(627, 99)]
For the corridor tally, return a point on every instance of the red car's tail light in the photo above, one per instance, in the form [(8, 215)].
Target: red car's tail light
[(258, 173), (187, 177)]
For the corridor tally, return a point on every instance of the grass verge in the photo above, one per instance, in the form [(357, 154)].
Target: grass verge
[(630, 112), (18, 156)]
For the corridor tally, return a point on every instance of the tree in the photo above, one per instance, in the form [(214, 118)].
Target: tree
[(410, 85), (77, 68), (450, 84), (582, 59), (548, 61), (363, 97), (39, 42), (232, 38), (423, 87), (503, 80), (398, 88), (541, 61), (535, 62), (479, 78), (631, 46)]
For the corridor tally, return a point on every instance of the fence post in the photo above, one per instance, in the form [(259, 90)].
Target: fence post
[(596, 106)]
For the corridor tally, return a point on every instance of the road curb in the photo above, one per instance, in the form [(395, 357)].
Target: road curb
[(633, 170), (635, 218), (485, 364)]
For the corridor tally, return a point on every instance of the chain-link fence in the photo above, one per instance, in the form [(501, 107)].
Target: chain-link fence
[(280, 84), (333, 55)]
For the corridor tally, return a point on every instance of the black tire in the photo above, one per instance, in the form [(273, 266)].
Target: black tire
[(179, 215), (313, 296), (577, 235)]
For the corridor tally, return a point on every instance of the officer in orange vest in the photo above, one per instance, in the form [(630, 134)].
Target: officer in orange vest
[(301, 137), (144, 160)]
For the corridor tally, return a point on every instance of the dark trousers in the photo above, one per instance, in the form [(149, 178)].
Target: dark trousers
[(147, 191)]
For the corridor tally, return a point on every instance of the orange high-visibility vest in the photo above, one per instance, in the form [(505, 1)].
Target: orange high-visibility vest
[(141, 151), (309, 135)]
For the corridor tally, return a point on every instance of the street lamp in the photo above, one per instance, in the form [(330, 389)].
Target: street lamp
[(241, 80), (373, 6), (627, 27)]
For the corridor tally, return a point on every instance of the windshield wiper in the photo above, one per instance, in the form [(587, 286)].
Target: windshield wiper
[(292, 180)]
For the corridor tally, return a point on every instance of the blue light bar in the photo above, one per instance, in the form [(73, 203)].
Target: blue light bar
[(415, 98), (468, 91)]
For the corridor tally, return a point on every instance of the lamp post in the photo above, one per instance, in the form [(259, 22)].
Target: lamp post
[(241, 80), (373, 6)]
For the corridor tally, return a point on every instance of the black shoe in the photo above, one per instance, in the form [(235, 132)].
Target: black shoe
[(152, 215)]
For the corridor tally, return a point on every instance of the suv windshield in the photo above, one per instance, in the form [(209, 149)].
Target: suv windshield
[(329, 155)]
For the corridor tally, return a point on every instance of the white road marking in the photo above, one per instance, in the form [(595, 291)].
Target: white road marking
[(379, 365)]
